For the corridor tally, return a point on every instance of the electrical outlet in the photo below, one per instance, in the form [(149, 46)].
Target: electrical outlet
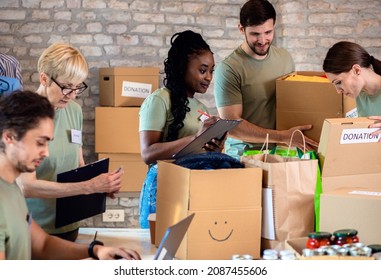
[(113, 215)]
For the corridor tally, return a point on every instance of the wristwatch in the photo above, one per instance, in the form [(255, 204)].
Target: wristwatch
[(90, 249)]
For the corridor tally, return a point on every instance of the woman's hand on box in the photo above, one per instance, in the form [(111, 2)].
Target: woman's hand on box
[(376, 124)]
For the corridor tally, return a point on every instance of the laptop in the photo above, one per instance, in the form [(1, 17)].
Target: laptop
[(172, 239)]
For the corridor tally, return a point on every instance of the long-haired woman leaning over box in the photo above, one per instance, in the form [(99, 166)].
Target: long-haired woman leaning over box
[(170, 117), (356, 74)]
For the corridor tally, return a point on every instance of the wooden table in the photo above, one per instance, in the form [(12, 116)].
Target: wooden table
[(136, 239)]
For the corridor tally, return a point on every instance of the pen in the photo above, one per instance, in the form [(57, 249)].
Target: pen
[(203, 113), (95, 235)]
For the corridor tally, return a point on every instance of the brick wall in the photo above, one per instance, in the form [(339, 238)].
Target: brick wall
[(137, 32)]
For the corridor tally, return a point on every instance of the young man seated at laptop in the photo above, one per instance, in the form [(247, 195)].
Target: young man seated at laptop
[(26, 127)]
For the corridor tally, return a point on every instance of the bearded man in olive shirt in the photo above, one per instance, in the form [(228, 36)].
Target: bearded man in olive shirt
[(245, 83)]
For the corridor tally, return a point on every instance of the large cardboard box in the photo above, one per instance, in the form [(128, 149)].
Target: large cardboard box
[(353, 208), (117, 130), (348, 154), (227, 203), (134, 170), (126, 86), (309, 102)]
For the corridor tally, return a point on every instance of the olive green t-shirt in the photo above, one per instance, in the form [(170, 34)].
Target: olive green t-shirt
[(368, 105), (14, 227), (242, 79), (155, 114), (63, 156)]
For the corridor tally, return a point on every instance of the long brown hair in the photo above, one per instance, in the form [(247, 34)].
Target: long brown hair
[(343, 55)]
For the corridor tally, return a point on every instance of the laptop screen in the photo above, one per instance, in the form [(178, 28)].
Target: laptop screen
[(172, 239)]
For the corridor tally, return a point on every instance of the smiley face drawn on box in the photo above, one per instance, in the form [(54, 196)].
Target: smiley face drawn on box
[(220, 231)]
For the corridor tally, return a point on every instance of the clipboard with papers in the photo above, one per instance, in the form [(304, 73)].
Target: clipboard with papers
[(217, 130), (76, 208)]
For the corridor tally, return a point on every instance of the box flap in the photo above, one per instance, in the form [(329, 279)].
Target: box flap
[(370, 193), (174, 202), (340, 158), (224, 188), (322, 97), (360, 181), (304, 73)]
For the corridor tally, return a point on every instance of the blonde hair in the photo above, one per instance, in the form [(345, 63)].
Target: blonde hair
[(64, 61)]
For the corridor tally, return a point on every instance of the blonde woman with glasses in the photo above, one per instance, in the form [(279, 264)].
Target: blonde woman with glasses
[(62, 72)]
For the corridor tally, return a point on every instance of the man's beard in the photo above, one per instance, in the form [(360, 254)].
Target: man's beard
[(257, 51), (23, 168)]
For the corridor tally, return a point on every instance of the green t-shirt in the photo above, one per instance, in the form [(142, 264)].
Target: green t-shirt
[(242, 79), (155, 114), (368, 105), (14, 227), (63, 156)]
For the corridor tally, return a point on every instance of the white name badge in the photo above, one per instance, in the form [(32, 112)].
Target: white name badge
[(359, 135), (76, 136), (132, 89)]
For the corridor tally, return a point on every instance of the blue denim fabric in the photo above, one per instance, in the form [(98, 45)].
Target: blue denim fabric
[(148, 196)]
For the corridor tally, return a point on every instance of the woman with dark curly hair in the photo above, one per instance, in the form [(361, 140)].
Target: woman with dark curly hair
[(170, 117)]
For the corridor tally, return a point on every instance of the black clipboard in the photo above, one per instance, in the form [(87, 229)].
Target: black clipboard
[(76, 208), (217, 130)]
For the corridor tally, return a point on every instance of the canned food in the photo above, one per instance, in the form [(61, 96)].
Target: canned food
[(318, 239), (308, 252), (270, 254), (377, 256), (376, 248), (287, 255), (345, 236), (366, 251), (242, 257)]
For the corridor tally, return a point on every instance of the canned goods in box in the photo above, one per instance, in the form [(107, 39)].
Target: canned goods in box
[(242, 257)]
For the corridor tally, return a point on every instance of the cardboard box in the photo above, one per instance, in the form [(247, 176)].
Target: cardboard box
[(134, 170), (345, 161), (227, 204), (126, 86), (353, 208), (117, 130), (308, 102), (298, 244)]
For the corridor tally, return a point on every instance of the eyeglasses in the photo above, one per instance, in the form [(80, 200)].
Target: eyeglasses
[(66, 90)]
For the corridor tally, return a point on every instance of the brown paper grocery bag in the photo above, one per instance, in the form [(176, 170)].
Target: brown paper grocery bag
[(293, 183)]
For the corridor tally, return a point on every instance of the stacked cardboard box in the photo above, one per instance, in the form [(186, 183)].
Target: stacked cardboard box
[(122, 91), (351, 176), (227, 207), (348, 154)]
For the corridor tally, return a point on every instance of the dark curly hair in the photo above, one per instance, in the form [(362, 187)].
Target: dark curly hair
[(183, 46)]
